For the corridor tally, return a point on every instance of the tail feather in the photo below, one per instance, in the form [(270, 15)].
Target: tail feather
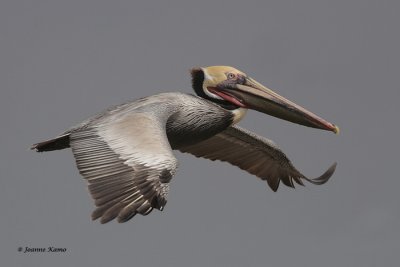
[(57, 143)]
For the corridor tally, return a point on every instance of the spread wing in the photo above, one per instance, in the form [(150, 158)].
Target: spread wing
[(127, 162), (254, 154)]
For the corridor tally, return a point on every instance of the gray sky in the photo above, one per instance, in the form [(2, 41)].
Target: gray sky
[(62, 61)]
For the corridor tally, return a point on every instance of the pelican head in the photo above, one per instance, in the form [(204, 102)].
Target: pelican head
[(233, 89)]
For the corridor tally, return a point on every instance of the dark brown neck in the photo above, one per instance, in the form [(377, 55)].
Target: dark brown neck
[(197, 84)]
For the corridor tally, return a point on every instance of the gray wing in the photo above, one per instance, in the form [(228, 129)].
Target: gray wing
[(127, 162), (254, 154)]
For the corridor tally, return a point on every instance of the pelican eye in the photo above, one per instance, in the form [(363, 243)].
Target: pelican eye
[(231, 76)]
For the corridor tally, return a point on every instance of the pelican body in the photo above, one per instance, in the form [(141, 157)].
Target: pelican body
[(125, 153)]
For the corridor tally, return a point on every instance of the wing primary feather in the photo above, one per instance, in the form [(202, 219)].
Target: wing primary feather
[(103, 200), (111, 213), (324, 177), (143, 208), (99, 211), (128, 212)]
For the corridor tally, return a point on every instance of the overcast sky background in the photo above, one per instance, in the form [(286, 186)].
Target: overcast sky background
[(63, 61)]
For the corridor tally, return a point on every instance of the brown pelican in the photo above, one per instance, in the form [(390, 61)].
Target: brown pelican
[(125, 153)]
